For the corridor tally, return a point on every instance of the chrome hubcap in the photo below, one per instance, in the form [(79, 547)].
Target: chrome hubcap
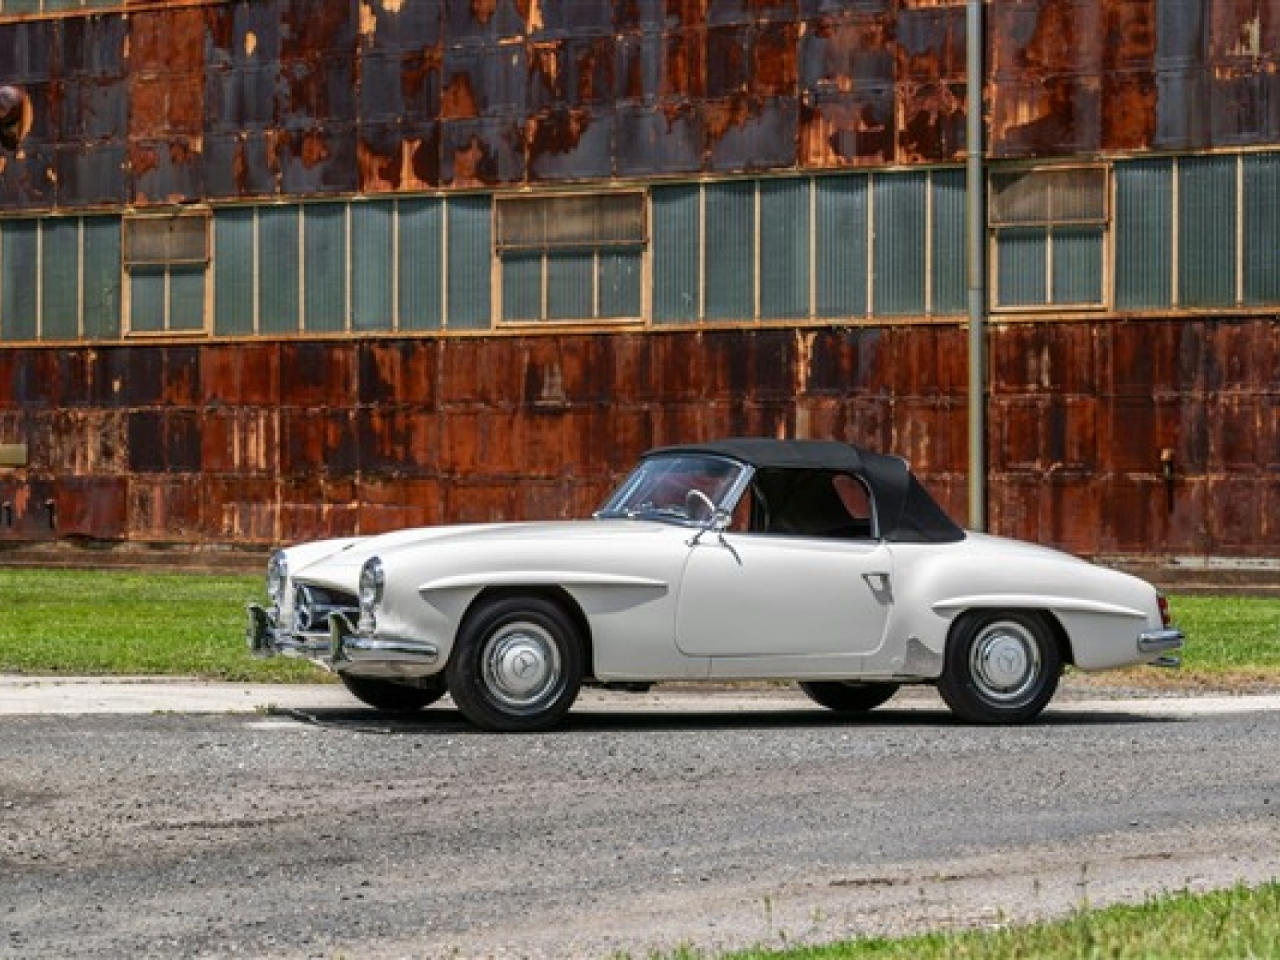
[(521, 665), (1005, 661)]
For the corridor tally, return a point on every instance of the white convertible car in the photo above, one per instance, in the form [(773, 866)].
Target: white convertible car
[(811, 561)]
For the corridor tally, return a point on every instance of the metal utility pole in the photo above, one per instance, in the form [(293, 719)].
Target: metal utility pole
[(975, 244)]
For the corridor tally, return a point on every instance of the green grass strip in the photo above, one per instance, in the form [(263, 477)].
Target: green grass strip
[(99, 622), (1235, 924)]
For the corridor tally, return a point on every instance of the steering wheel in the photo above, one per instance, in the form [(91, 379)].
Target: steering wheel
[(699, 506)]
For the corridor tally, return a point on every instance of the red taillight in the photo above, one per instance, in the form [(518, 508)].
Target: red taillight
[(1165, 618)]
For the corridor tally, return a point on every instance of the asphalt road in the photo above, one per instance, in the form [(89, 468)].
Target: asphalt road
[(322, 830)]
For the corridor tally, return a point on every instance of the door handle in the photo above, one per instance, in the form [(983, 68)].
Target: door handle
[(881, 585)]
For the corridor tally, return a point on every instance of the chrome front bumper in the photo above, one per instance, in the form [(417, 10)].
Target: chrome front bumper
[(344, 648), (1163, 643)]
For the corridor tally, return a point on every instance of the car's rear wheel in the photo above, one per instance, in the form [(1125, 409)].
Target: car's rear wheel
[(517, 665), (393, 696), (848, 696), (1001, 667)]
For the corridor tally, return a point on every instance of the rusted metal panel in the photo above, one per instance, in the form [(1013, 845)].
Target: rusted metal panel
[(221, 442), (313, 507), (1128, 74), (237, 442), (239, 510), (1047, 72), (931, 85), (289, 97), (847, 74)]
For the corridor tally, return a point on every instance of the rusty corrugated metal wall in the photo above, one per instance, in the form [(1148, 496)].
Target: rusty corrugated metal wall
[(219, 101), (239, 444), (253, 442)]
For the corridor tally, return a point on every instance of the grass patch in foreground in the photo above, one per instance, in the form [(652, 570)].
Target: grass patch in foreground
[(91, 622), (1231, 924)]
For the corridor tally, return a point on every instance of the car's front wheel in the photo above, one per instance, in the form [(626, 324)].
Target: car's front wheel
[(392, 696), (848, 696), (517, 665), (1001, 667)]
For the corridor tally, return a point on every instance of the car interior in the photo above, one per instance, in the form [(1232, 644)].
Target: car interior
[(806, 503)]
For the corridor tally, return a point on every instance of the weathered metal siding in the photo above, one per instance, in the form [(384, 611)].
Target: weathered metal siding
[(286, 97), (257, 442), (234, 444)]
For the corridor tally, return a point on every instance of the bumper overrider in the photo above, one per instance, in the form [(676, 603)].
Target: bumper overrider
[(1164, 643), (344, 648)]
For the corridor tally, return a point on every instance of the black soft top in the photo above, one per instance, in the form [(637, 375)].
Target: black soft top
[(905, 510)]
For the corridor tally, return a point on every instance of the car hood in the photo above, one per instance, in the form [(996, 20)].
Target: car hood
[(341, 567)]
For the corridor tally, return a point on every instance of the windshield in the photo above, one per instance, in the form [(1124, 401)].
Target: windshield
[(666, 488)]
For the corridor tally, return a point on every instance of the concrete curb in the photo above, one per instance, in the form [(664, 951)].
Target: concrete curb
[(78, 696)]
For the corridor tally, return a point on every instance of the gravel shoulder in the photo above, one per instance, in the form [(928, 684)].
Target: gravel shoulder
[(177, 819)]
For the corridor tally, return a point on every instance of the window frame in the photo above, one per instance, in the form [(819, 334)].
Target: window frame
[(1051, 225), (508, 250), (167, 266)]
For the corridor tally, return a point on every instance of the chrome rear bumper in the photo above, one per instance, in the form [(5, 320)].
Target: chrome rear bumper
[(1163, 642)]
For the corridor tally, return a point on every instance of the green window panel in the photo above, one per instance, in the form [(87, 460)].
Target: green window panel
[(729, 256), (186, 298), (1262, 229), (373, 264), (841, 260), (470, 253), (1144, 235), (102, 266), (1020, 274), (233, 307), (19, 293), (1206, 231), (784, 249), (948, 267), (1077, 253), (620, 273), (148, 287), (571, 285), (60, 279), (901, 223), (677, 275), (325, 273), (279, 269), (421, 264), (521, 287)]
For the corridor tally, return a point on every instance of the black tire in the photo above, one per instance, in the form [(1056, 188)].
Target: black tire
[(1001, 667), (517, 665), (393, 696), (848, 696)]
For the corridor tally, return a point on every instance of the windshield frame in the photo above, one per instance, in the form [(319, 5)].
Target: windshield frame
[(616, 506)]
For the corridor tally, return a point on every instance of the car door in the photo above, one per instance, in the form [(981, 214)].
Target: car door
[(752, 595)]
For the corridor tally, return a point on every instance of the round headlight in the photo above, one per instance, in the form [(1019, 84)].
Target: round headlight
[(371, 581), (277, 576)]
